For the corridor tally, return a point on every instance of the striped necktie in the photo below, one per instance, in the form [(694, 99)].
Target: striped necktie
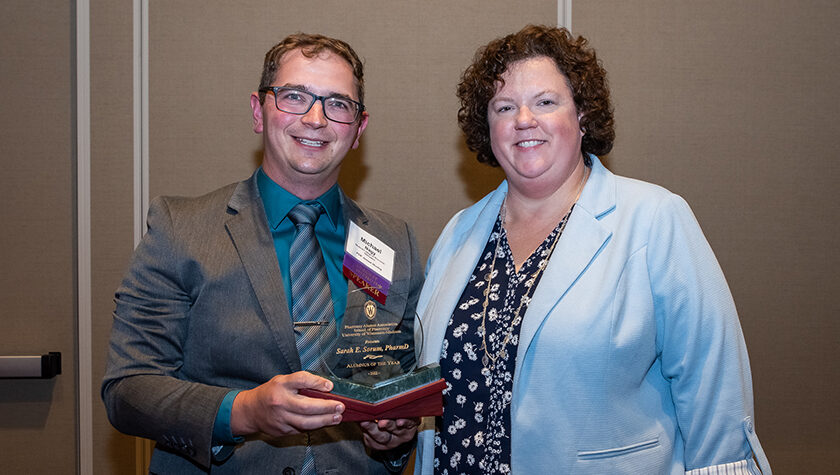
[(311, 297)]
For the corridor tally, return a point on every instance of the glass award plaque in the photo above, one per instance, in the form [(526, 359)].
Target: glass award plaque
[(371, 360)]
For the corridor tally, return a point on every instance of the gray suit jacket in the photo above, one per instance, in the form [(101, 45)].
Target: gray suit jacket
[(202, 311)]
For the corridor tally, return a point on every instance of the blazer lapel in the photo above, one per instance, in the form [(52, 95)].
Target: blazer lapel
[(582, 240), (251, 238), (453, 278)]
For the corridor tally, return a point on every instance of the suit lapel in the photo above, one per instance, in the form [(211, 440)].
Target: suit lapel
[(353, 213), (351, 210), (252, 240)]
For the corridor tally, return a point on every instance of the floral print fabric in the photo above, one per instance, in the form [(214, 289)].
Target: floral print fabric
[(473, 435)]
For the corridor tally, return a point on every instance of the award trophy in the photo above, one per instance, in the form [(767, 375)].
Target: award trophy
[(371, 360)]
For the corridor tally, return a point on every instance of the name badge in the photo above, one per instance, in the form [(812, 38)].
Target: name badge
[(368, 262)]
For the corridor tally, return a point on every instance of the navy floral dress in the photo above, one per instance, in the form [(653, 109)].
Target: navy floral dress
[(473, 435)]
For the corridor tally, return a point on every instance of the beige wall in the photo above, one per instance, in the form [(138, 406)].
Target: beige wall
[(112, 203), (731, 104), (37, 306), (200, 126), (201, 79)]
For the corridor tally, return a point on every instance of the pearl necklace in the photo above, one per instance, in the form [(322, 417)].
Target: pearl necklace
[(502, 352)]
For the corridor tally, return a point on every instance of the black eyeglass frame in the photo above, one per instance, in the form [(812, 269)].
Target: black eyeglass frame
[(315, 97)]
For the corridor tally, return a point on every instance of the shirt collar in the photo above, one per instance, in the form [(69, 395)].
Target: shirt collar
[(278, 202)]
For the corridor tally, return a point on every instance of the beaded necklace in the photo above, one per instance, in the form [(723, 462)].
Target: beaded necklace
[(502, 352)]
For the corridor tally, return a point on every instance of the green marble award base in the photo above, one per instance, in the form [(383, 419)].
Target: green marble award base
[(416, 394)]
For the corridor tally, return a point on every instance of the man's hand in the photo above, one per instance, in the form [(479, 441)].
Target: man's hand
[(275, 408), (386, 434)]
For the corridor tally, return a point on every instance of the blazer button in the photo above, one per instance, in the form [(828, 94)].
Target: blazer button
[(288, 471)]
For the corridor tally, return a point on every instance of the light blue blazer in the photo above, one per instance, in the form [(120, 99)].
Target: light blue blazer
[(631, 358)]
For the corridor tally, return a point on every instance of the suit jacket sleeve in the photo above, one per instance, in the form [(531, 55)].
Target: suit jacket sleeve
[(143, 392)]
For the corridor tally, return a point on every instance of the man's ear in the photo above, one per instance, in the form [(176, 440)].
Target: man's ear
[(256, 107), (363, 121)]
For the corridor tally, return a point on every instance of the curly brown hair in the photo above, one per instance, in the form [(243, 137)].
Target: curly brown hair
[(311, 46), (584, 74)]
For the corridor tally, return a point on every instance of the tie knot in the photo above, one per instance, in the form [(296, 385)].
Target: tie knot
[(306, 213)]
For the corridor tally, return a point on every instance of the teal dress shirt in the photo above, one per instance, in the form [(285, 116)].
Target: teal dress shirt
[(330, 232)]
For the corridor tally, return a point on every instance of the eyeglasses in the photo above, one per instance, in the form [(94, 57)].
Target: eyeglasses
[(296, 101)]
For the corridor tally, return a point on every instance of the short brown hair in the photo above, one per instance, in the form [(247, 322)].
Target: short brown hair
[(584, 74), (311, 46)]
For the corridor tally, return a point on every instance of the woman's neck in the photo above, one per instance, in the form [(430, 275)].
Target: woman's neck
[(523, 206), (528, 219)]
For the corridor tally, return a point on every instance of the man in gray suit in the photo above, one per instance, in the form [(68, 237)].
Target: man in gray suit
[(203, 355)]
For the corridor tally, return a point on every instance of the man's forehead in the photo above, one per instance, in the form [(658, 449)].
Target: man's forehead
[(324, 72)]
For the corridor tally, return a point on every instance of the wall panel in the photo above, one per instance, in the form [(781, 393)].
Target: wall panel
[(112, 196), (37, 303), (411, 162), (204, 60)]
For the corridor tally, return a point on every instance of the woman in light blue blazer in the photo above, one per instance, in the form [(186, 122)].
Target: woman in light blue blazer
[(581, 320)]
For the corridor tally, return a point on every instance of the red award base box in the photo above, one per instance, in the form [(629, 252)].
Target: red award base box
[(387, 401)]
